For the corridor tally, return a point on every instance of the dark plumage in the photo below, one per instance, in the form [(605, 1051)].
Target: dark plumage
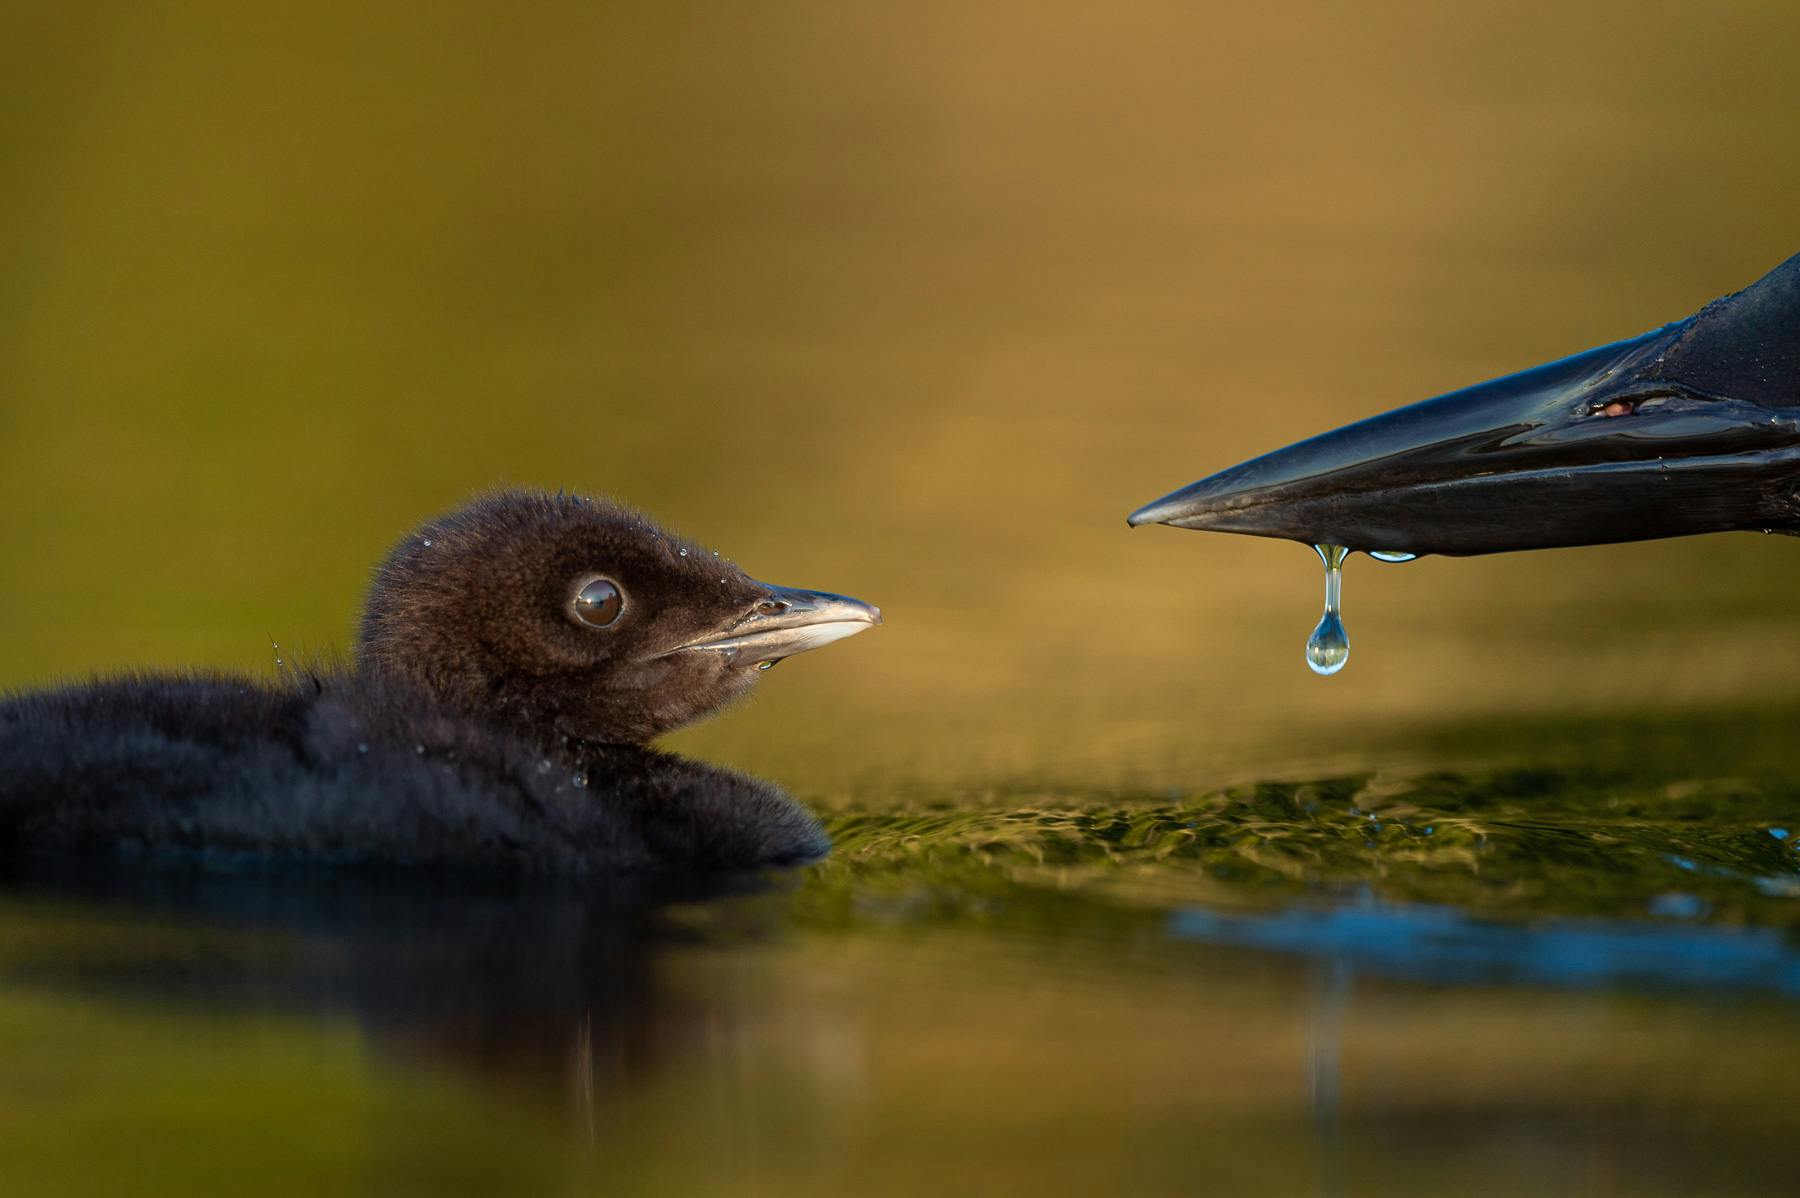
[(491, 717)]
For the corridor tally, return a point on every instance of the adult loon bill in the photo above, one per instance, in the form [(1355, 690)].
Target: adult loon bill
[(1691, 428)]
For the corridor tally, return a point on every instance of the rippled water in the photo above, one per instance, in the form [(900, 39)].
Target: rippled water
[(1496, 980)]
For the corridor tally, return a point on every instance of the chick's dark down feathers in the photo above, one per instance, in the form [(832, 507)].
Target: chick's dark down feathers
[(498, 734)]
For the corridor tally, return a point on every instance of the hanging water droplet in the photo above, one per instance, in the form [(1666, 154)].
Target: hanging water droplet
[(684, 553), (765, 665), (1391, 555), (427, 542), (579, 781), (1328, 648)]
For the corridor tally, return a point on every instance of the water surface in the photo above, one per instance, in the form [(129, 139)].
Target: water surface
[(1495, 979)]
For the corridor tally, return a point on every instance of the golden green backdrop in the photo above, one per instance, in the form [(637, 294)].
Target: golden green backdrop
[(911, 301), (915, 301)]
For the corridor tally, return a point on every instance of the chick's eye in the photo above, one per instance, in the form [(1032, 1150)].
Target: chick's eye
[(598, 603)]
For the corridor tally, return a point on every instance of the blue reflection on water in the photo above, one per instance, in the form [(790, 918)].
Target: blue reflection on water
[(1445, 945)]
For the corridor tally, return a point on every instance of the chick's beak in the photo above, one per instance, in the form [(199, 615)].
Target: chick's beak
[(787, 620)]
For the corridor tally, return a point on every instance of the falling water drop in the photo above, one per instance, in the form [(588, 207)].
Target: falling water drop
[(1391, 555), (579, 781), (1328, 648)]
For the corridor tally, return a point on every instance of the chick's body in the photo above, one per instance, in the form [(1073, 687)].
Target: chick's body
[(488, 719)]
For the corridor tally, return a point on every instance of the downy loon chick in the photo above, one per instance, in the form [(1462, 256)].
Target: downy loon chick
[(514, 659)]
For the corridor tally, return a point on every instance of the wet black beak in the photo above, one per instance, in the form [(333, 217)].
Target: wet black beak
[(1692, 428)]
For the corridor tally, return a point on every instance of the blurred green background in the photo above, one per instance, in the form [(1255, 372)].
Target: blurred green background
[(915, 302), (908, 301)]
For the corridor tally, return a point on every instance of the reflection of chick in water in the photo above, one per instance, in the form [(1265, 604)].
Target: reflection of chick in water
[(515, 657), (547, 983)]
